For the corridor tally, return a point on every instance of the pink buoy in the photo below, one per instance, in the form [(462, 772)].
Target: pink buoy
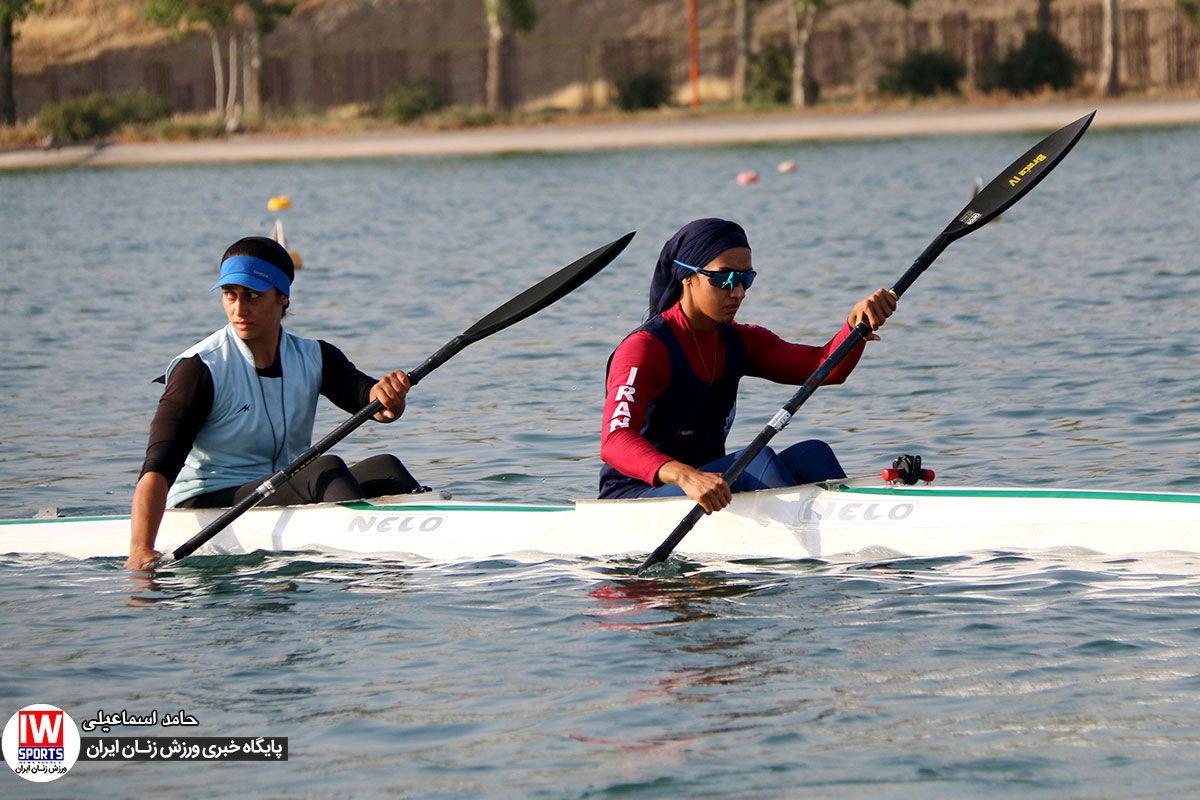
[(747, 176)]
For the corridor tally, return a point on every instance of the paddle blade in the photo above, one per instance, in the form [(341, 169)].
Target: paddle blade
[(1011, 185), (537, 297)]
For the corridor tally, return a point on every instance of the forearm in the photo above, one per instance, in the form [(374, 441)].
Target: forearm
[(789, 363), (631, 455), (674, 472), (145, 515), (342, 383), (842, 371), (709, 489)]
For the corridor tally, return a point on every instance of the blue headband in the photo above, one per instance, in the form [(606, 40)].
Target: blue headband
[(697, 243), (253, 273)]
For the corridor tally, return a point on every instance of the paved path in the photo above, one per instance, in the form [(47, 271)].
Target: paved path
[(782, 127)]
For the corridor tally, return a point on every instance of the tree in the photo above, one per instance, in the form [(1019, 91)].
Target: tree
[(802, 15), (212, 15), (504, 17), (264, 18), (237, 19), (1044, 15), (907, 6), (11, 11), (743, 34), (743, 21), (1110, 47), (1190, 10)]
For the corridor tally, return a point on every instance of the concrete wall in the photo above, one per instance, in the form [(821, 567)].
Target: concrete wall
[(330, 53)]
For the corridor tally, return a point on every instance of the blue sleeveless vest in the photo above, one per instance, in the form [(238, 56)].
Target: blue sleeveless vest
[(257, 425), (690, 419)]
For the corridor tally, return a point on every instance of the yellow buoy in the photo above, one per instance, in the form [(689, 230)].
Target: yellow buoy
[(278, 201)]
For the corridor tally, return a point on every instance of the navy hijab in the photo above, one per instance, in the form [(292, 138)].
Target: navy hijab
[(697, 243)]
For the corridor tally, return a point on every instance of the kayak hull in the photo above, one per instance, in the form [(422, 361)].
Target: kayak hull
[(822, 521)]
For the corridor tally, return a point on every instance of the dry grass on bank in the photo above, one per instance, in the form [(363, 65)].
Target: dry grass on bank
[(23, 134), (68, 31)]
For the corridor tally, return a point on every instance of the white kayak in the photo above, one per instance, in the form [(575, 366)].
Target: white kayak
[(865, 517)]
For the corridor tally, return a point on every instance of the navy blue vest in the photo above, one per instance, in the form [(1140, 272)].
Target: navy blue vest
[(690, 419)]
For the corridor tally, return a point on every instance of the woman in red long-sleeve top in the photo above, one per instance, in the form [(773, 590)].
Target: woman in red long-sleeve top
[(672, 384)]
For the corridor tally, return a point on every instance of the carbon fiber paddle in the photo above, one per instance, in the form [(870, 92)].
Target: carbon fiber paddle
[(1007, 188), (529, 302)]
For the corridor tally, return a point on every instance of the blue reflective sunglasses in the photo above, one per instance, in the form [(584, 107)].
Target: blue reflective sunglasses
[(725, 278)]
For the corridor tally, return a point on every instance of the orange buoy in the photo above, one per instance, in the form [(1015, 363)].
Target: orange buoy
[(747, 176)]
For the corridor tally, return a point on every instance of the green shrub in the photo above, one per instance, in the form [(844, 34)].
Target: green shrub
[(77, 119), (769, 76), (99, 114), (405, 102), (139, 107), (1041, 60), (922, 74), (646, 88)]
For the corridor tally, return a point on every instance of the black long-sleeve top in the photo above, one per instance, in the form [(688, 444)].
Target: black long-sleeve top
[(188, 398)]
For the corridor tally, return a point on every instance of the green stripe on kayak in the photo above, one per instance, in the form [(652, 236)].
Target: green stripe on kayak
[(1026, 494), (61, 519)]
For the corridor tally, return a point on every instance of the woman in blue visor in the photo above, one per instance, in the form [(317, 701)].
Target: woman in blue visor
[(240, 405)]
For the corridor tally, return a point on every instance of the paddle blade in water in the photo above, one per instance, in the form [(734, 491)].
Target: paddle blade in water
[(1012, 184), (543, 294)]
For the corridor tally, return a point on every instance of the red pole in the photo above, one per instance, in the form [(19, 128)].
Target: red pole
[(694, 54)]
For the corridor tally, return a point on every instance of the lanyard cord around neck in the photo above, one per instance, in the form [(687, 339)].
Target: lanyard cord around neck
[(277, 447), (709, 373)]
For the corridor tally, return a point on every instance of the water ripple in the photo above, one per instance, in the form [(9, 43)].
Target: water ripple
[(1029, 354)]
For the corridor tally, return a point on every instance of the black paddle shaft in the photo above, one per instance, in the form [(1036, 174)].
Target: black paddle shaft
[(1007, 188), (529, 302)]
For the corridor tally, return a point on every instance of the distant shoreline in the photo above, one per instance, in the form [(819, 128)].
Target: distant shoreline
[(563, 137)]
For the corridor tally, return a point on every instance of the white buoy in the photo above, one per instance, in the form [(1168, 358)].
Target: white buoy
[(976, 189), (275, 204)]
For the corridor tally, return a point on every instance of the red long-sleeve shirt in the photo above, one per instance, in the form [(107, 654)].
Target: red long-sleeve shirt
[(640, 371)]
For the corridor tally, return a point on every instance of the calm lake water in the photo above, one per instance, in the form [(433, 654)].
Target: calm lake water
[(1056, 346)]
